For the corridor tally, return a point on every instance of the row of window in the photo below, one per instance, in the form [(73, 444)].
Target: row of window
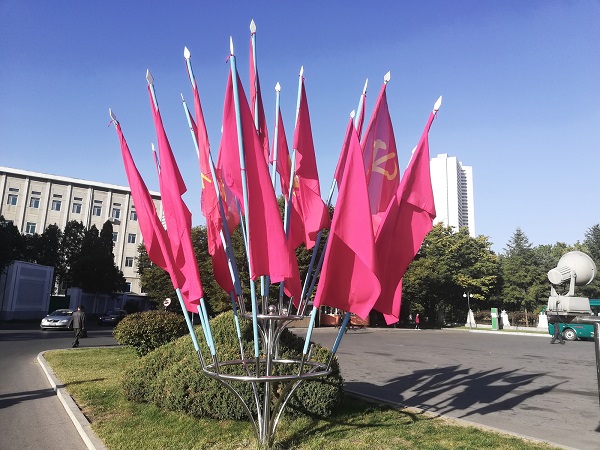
[(34, 202)]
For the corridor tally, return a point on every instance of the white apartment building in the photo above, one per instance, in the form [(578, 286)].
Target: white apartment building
[(453, 192), (33, 200)]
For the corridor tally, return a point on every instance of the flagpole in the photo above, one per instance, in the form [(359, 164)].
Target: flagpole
[(201, 306), (310, 279), (264, 281), (240, 136), (276, 133), (224, 233)]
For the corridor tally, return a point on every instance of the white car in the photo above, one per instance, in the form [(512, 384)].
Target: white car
[(59, 319)]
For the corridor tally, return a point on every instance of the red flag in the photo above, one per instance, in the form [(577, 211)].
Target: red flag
[(154, 235), (268, 252), (348, 280), (256, 105), (177, 216), (380, 159), (407, 221), (359, 126), (314, 212), (283, 157), (210, 202)]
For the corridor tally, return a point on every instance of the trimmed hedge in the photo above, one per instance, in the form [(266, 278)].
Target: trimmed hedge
[(149, 330), (171, 376)]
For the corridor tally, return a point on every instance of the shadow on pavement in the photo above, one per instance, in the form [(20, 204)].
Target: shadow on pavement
[(451, 389)]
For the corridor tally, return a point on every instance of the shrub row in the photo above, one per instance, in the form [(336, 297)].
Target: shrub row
[(171, 376), (149, 330)]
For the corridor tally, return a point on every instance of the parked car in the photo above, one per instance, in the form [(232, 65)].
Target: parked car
[(59, 319), (112, 317)]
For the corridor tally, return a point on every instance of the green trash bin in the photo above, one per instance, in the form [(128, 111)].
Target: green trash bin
[(495, 326)]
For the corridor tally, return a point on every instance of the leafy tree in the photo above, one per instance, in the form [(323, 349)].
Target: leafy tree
[(156, 282), (11, 244), (448, 265), (70, 248), (523, 274), (591, 246), (94, 269)]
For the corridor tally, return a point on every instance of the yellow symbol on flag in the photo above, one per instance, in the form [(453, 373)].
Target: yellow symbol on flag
[(379, 163), (204, 177)]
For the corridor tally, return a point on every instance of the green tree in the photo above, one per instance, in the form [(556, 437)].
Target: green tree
[(448, 265), (156, 282), (94, 269), (523, 274), (591, 246), (11, 244), (70, 248)]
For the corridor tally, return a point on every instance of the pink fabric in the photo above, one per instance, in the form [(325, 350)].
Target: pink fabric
[(380, 159), (283, 157), (177, 216), (256, 106), (268, 251), (407, 221), (314, 212), (349, 277), (154, 235), (209, 201)]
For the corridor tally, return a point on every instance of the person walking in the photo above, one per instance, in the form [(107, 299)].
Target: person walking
[(78, 324), (557, 334), (417, 321)]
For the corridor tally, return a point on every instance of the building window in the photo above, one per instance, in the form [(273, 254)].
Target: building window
[(127, 286), (56, 205), (76, 208), (116, 213), (97, 211), (115, 236), (12, 199), (131, 238), (133, 215), (30, 228), (129, 261), (34, 202)]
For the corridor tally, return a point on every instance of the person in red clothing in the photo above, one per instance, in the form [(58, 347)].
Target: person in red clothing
[(417, 321)]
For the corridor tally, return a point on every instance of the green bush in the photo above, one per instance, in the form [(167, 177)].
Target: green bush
[(149, 330), (171, 376)]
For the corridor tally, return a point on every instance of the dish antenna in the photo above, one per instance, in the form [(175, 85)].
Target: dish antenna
[(578, 269)]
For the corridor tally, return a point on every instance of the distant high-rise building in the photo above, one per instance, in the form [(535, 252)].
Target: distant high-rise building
[(33, 200), (453, 192)]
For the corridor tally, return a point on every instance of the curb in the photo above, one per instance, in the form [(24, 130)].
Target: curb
[(77, 417)]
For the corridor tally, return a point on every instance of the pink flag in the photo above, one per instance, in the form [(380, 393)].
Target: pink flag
[(380, 159), (283, 157), (348, 280), (314, 212), (210, 202), (177, 216), (256, 105), (154, 235), (406, 222), (268, 251)]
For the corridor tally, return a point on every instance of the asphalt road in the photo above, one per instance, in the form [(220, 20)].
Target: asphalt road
[(521, 384), (31, 415)]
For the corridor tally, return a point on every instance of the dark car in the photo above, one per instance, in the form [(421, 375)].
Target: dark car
[(59, 319), (112, 317)]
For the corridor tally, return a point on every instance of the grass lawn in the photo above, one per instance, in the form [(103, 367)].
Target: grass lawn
[(92, 377)]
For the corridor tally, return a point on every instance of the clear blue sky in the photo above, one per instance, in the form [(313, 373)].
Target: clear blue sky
[(519, 81)]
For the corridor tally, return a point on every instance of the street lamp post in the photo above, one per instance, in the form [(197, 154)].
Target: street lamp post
[(468, 296)]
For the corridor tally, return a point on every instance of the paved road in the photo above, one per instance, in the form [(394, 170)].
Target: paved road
[(521, 384), (31, 415)]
